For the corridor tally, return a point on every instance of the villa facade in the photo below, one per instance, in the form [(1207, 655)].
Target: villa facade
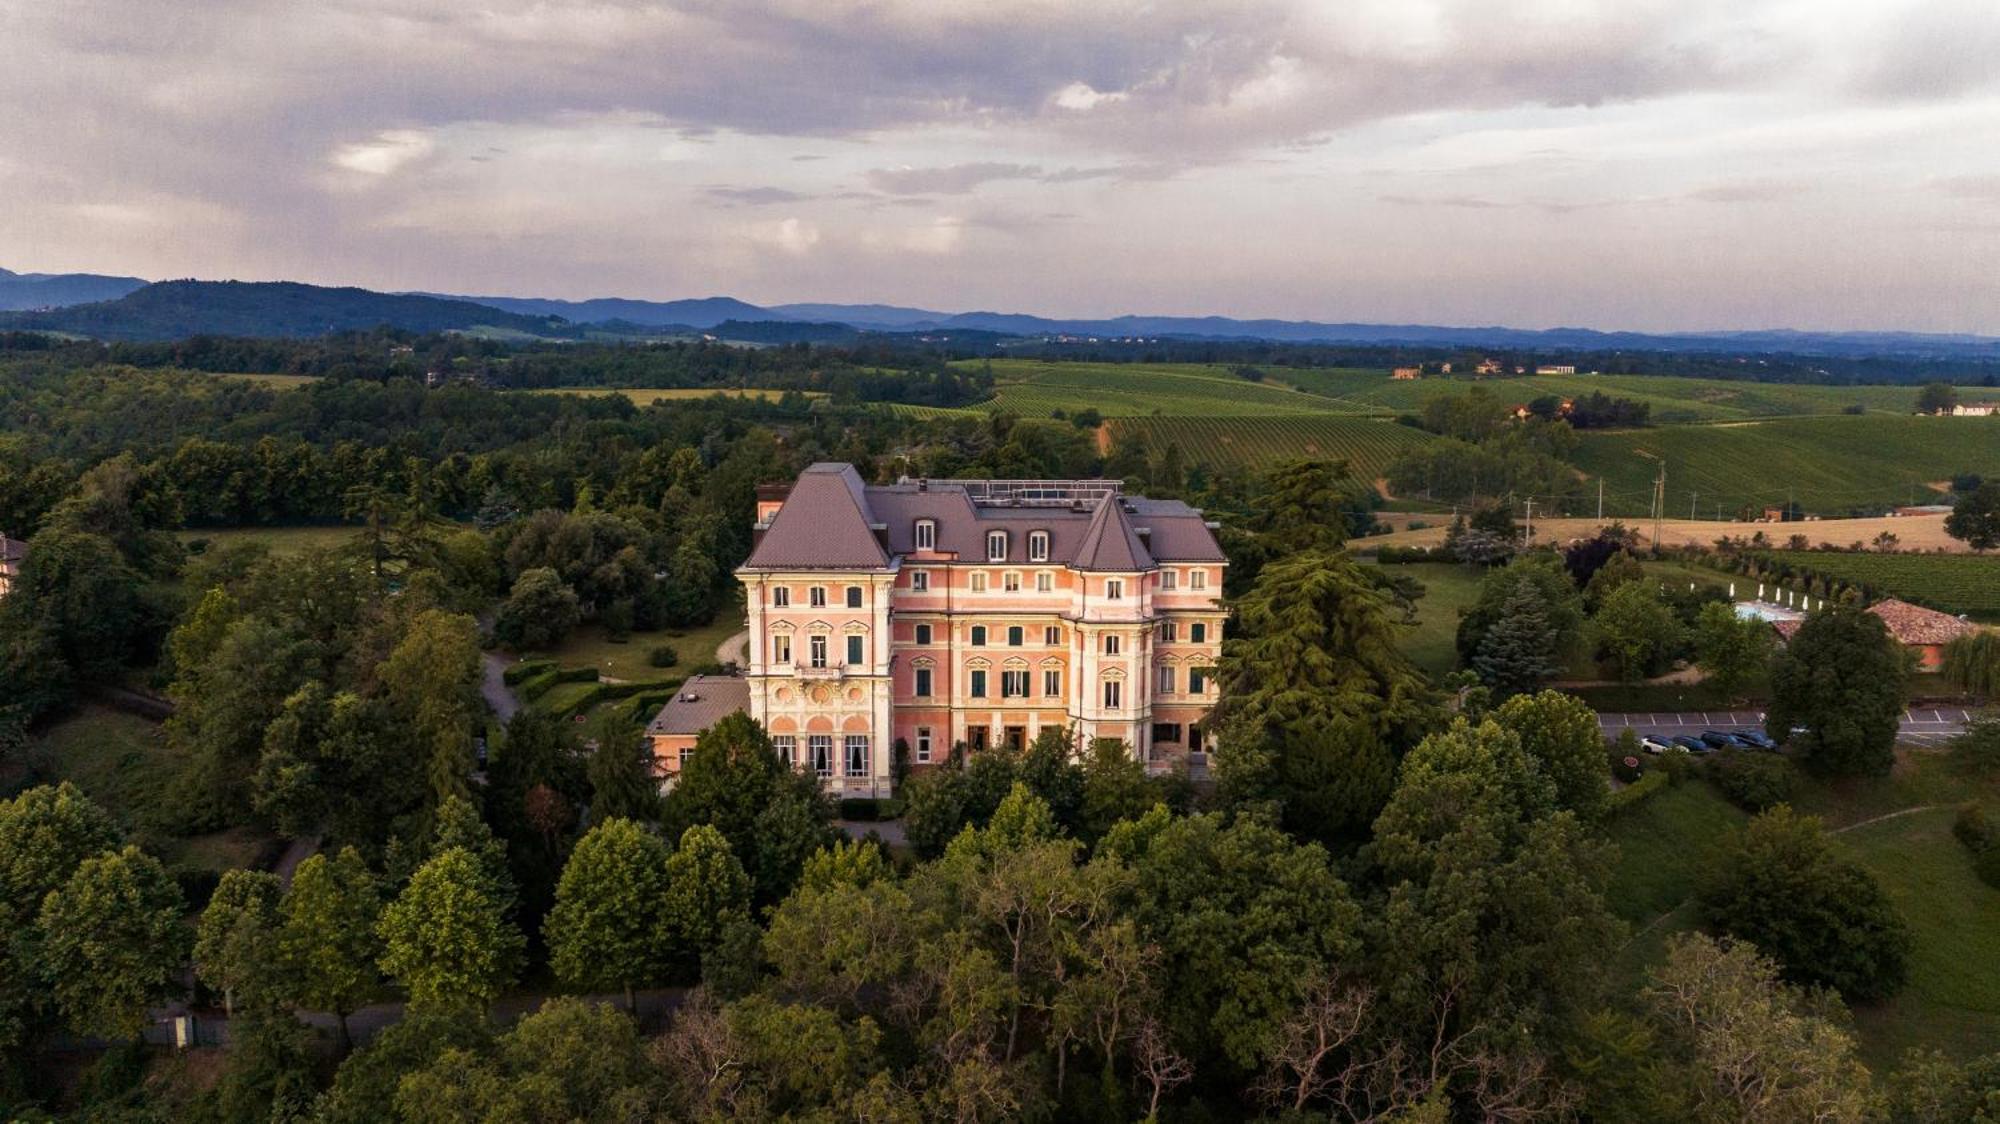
[(940, 612)]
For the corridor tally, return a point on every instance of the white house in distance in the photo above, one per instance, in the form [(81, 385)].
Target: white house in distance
[(1975, 410)]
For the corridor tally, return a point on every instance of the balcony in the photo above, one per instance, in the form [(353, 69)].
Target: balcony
[(830, 671)]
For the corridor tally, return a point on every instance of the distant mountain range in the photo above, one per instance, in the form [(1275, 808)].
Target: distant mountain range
[(130, 308), (53, 290)]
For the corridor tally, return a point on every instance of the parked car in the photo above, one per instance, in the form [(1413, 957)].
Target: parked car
[(1716, 739), (1757, 739), (1692, 744), (1654, 743)]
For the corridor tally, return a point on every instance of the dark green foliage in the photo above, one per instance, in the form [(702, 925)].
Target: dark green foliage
[(1780, 885), (1753, 781), (364, 1091), (771, 816), (1533, 580), (1975, 518), (271, 1068), (621, 771), (662, 655), (1973, 828), (1637, 632), (1560, 734), (540, 611), (1522, 650), (1840, 679), (1986, 864)]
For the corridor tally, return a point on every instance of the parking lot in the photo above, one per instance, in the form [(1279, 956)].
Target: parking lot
[(1925, 726)]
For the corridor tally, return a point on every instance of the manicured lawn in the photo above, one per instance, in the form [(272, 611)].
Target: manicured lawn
[(280, 540), (1953, 998), (589, 647), (1449, 589), (124, 763)]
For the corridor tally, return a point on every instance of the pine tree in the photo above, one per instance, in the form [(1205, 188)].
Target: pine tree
[(1520, 651)]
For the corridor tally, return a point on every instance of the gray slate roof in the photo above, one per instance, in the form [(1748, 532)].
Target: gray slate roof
[(701, 702), (829, 512)]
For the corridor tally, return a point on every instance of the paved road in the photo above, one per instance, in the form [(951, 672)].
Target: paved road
[(734, 650), (1921, 725), (493, 685)]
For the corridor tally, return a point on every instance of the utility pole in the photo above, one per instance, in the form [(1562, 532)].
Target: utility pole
[(1600, 498), (1529, 538), (1691, 496), (1659, 502)]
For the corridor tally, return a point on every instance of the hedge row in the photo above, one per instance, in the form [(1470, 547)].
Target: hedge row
[(535, 686), (517, 672), (663, 689), (1645, 786), (867, 809)]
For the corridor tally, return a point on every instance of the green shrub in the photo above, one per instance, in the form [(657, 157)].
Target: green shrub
[(862, 808), (1986, 864), (663, 655), (1640, 789), (1753, 781), (524, 669), (1973, 828)]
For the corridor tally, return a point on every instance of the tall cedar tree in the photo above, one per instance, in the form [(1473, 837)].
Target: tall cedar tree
[(1521, 651), (1840, 682)]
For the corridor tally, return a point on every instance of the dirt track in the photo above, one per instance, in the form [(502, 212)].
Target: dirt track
[(1913, 532)]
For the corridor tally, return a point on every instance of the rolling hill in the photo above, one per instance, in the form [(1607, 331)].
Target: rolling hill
[(176, 309)]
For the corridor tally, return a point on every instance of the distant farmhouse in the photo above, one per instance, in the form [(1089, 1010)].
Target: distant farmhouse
[(1407, 373), (1556, 369), (1923, 632), (1975, 410), (12, 553)]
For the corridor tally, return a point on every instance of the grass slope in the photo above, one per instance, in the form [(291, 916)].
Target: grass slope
[(1954, 583), (1673, 400), (1366, 444)]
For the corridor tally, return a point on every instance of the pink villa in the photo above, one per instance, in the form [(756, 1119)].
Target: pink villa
[(939, 612)]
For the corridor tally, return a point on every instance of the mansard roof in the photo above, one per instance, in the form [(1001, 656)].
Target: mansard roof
[(822, 522)]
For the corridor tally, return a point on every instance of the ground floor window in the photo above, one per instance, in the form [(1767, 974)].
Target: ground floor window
[(820, 746), (1194, 735), (923, 744), (976, 737), (857, 755), (1017, 737), (787, 746), (1166, 731)]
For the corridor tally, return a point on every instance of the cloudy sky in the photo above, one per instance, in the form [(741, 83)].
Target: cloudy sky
[(1650, 164)]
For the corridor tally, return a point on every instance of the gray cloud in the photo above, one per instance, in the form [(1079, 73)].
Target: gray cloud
[(954, 180), (753, 196)]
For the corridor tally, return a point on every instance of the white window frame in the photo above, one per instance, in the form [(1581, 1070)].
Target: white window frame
[(819, 747), (1114, 694), (1010, 582), (1170, 632), (920, 581), (979, 581), (1197, 579), (924, 535), (816, 647), (781, 597), (923, 745), (1164, 679), (1052, 635), (816, 597), (1052, 684), (996, 546), (1038, 546), (787, 748), (1112, 645), (1045, 582), (781, 649), (1169, 579), (1011, 678), (854, 755)]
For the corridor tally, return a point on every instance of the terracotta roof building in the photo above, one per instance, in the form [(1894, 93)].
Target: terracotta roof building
[(978, 612), (1922, 631)]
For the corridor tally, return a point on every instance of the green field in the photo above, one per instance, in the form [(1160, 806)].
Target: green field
[(1035, 389), (1830, 465), (626, 660), (641, 397), (1952, 1000), (1954, 583), (1366, 444), (1449, 590), (1673, 400)]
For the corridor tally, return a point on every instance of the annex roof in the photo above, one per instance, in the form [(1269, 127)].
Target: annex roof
[(701, 702), (1914, 624)]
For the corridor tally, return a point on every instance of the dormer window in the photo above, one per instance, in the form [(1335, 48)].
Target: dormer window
[(925, 535), (996, 546), (1038, 546)]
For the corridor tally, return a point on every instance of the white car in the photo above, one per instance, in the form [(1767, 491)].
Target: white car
[(1652, 743)]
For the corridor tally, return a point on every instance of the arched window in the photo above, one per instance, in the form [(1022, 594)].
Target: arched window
[(925, 534)]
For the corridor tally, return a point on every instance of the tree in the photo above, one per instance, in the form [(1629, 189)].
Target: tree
[(113, 942), (608, 929), (735, 782), (1975, 518), (338, 763), (1779, 884), (1521, 651), (236, 942), (45, 834), (1753, 1048), (1931, 1088), (432, 679), (1535, 577), (1300, 508), (621, 771), (78, 588), (446, 938), (705, 890), (326, 935), (1115, 787), (1636, 630), (539, 611), (1972, 664), (1243, 917), (1731, 649), (1840, 681), (1937, 398), (1559, 732)]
